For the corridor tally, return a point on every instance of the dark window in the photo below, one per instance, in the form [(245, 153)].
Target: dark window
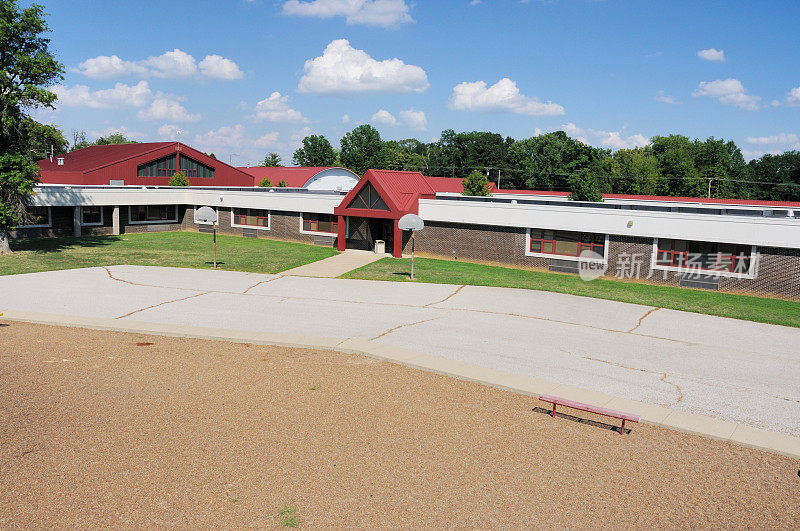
[(252, 217), (92, 215), (194, 169), (321, 223), (155, 213), (163, 167), (709, 256), (37, 215), (369, 199), (566, 243)]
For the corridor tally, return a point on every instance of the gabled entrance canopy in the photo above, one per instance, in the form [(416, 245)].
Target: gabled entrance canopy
[(386, 195)]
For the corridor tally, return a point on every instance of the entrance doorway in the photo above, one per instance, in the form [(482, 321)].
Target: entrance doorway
[(363, 232)]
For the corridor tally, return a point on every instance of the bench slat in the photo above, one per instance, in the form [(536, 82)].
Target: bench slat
[(590, 408)]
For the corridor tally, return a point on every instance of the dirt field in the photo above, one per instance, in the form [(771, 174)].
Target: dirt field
[(124, 430)]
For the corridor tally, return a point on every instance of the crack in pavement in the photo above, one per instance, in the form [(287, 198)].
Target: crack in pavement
[(446, 298), (259, 283), (402, 326), (162, 303), (642, 318), (663, 378)]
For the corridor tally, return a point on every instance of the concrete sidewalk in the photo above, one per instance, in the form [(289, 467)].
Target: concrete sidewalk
[(336, 265), (741, 373)]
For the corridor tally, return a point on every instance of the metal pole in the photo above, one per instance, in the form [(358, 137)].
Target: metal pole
[(215, 245), (412, 255), (709, 187)]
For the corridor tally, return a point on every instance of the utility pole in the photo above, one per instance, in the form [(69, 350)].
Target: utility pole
[(498, 178), (230, 158), (709, 187)]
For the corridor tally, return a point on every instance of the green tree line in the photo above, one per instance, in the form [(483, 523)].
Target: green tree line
[(671, 165)]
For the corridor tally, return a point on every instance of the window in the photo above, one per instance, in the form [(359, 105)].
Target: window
[(326, 223), (368, 198), (91, 215), (250, 217), (163, 167), (38, 216), (706, 256), (565, 243), (153, 214), (194, 169)]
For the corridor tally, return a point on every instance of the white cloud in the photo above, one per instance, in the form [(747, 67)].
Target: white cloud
[(170, 132), (345, 118), (275, 108), (120, 96), (267, 140), (127, 133), (729, 92), (782, 138), (218, 67), (165, 108), (341, 69), (227, 136), (503, 96), (793, 98), (607, 139), (665, 98), (384, 117), (414, 119), (296, 141), (711, 54), (175, 64), (385, 13)]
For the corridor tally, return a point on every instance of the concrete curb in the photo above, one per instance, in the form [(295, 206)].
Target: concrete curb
[(723, 430)]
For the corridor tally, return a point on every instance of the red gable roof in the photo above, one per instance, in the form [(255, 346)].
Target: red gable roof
[(295, 177), (400, 190), (451, 184), (98, 165)]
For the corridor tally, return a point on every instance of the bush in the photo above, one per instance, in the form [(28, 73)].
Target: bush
[(283, 184), (476, 184), (179, 179), (265, 183)]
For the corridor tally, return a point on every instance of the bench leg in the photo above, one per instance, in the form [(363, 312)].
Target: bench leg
[(553, 414), (622, 429)]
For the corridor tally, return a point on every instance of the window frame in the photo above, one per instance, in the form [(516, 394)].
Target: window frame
[(259, 227), (93, 224), (153, 222), (317, 232), (751, 274), (556, 256), (48, 225)]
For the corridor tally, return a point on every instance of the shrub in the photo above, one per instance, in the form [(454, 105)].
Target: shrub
[(265, 183), (283, 184), (179, 179), (476, 184)]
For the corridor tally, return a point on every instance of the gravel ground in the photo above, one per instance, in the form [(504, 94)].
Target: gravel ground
[(101, 429)]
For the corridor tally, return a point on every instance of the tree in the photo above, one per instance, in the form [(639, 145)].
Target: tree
[(635, 171), (585, 186), (282, 184), (272, 159), (27, 68), (316, 151), (361, 149), (79, 140), (44, 140), (476, 184), (178, 179), (113, 138), (212, 156), (265, 183)]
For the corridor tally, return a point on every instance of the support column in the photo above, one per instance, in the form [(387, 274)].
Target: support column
[(76, 221), (341, 243), (398, 241), (115, 221)]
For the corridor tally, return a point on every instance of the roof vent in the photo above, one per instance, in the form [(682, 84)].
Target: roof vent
[(60, 161)]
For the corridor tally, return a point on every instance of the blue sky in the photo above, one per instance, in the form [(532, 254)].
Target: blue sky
[(241, 78)]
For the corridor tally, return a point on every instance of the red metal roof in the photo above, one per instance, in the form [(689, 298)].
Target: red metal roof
[(676, 199), (295, 176), (404, 187), (451, 184), (100, 165)]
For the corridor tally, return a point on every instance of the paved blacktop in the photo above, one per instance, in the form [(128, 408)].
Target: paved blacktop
[(724, 378)]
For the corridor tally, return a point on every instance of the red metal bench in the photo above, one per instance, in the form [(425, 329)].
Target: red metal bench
[(590, 408)]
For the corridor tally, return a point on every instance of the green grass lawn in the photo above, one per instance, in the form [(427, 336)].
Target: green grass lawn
[(173, 249), (758, 309)]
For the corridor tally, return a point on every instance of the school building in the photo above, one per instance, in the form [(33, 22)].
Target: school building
[(727, 245)]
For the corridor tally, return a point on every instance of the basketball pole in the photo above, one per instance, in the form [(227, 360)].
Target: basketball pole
[(412, 255), (215, 245)]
